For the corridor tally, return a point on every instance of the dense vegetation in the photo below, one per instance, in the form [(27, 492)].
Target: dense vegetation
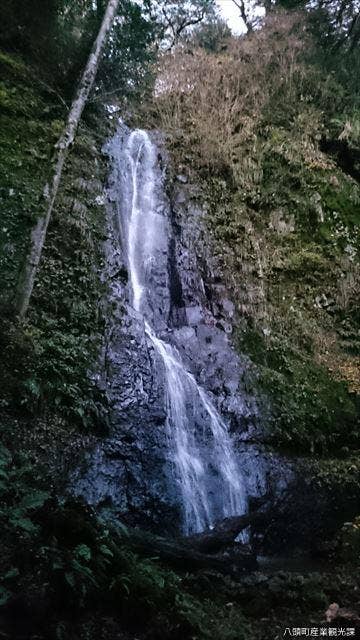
[(269, 127), (272, 131)]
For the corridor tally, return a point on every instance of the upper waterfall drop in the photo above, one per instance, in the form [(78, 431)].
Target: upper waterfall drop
[(207, 471), (140, 154)]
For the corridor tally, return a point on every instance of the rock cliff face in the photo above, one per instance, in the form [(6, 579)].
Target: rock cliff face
[(131, 472)]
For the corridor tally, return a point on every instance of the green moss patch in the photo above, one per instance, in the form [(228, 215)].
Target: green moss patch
[(28, 130), (46, 361), (310, 412)]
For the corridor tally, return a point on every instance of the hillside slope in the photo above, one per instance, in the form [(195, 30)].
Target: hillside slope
[(272, 139), (268, 146)]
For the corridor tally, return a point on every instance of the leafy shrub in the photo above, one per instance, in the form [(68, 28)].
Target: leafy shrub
[(215, 102), (46, 361), (18, 497), (81, 565), (310, 411), (67, 554), (350, 541)]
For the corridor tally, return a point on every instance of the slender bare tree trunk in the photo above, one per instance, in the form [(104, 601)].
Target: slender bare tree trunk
[(243, 14), (38, 234)]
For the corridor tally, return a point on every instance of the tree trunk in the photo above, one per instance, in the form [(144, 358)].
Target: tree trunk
[(243, 14), (181, 554), (225, 532), (212, 549), (38, 234)]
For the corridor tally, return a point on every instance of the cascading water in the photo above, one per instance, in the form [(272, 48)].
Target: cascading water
[(210, 481)]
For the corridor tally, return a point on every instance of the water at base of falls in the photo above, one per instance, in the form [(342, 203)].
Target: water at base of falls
[(210, 483)]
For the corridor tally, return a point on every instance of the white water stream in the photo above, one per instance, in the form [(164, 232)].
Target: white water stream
[(206, 468)]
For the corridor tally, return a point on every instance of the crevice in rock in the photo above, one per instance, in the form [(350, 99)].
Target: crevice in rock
[(177, 305)]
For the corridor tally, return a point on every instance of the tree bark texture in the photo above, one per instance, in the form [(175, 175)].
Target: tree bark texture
[(38, 234), (212, 549)]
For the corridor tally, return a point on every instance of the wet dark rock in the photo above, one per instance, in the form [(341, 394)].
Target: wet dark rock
[(131, 469)]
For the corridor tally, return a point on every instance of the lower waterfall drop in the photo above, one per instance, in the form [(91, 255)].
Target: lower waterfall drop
[(210, 481)]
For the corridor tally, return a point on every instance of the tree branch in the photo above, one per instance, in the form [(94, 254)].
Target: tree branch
[(240, 4)]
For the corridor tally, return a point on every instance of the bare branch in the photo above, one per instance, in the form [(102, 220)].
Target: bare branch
[(240, 4)]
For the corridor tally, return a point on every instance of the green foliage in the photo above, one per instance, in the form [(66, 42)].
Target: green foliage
[(46, 361), (350, 541), (126, 66), (310, 412), (326, 204), (26, 138), (84, 566), (86, 570), (144, 592), (283, 589), (175, 19), (211, 35), (284, 224), (18, 497), (59, 37), (336, 474), (307, 263), (344, 205)]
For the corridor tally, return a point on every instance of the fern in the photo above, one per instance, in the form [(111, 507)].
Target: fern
[(4, 595), (34, 500)]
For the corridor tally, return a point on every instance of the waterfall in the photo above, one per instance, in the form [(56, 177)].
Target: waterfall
[(209, 479)]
